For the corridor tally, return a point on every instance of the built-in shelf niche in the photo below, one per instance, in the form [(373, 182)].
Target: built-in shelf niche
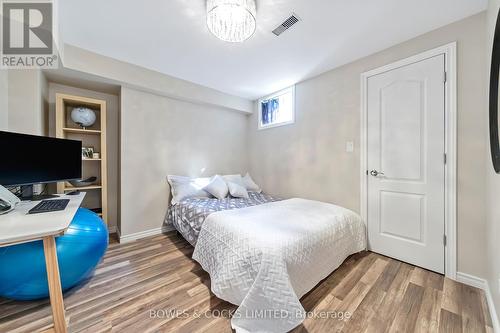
[(92, 136)]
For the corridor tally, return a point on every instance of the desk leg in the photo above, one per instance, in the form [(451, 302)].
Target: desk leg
[(56, 297)]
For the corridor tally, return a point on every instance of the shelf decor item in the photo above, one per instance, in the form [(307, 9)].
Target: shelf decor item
[(94, 171), (83, 116), (87, 152)]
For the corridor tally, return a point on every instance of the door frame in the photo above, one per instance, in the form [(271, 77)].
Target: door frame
[(450, 215)]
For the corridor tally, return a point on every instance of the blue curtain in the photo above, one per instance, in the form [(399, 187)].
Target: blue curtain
[(264, 109), (269, 111)]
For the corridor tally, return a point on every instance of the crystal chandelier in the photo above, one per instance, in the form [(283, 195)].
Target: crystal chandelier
[(231, 20)]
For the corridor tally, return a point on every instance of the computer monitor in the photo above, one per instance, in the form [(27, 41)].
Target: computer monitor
[(30, 159)]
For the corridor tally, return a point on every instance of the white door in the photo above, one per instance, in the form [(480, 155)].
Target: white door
[(406, 163)]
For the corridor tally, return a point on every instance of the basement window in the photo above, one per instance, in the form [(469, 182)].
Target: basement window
[(277, 109)]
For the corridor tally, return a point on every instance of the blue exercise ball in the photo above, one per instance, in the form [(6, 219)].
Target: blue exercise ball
[(23, 275)]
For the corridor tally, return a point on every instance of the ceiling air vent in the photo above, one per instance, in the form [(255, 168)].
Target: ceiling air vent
[(287, 24)]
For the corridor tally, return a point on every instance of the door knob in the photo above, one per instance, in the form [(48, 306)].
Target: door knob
[(375, 173)]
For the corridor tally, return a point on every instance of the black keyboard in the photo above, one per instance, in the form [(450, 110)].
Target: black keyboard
[(49, 206)]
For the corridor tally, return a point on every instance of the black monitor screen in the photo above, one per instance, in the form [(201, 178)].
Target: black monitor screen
[(30, 159)]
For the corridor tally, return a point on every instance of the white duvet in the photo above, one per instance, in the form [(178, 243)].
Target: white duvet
[(264, 258)]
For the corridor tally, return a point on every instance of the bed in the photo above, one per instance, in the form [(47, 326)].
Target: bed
[(264, 253), (188, 215)]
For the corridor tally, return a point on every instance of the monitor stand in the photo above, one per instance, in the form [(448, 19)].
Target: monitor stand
[(27, 194)]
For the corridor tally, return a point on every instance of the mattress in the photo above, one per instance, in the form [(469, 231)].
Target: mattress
[(189, 214), (264, 258)]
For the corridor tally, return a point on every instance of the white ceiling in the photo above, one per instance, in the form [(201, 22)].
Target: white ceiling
[(170, 36)]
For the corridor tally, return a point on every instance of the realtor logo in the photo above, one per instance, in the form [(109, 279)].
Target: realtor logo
[(27, 40)]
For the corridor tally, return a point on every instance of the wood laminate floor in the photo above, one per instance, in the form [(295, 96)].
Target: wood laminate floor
[(157, 274)]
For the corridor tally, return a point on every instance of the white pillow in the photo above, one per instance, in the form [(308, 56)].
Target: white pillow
[(237, 190), (237, 179), (217, 187), (185, 187), (250, 184)]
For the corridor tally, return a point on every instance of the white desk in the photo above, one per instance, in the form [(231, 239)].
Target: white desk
[(19, 227)]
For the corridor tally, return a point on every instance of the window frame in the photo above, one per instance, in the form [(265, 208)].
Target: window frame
[(271, 96)]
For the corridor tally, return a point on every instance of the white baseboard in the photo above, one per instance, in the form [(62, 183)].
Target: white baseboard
[(472, 280), (480, 283), (143, 234)]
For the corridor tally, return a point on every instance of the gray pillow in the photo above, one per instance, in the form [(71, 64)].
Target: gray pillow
[(237, 179), (217, 187), (237, 190), (185, 187), (250, 184)]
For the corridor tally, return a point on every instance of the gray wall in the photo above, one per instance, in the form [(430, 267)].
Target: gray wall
[(492, 188), (308, 158), (26, 89), (143, 79), (162, 136), (112, 122)]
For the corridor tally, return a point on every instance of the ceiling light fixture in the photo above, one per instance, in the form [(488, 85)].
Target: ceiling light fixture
[(231, 20)]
